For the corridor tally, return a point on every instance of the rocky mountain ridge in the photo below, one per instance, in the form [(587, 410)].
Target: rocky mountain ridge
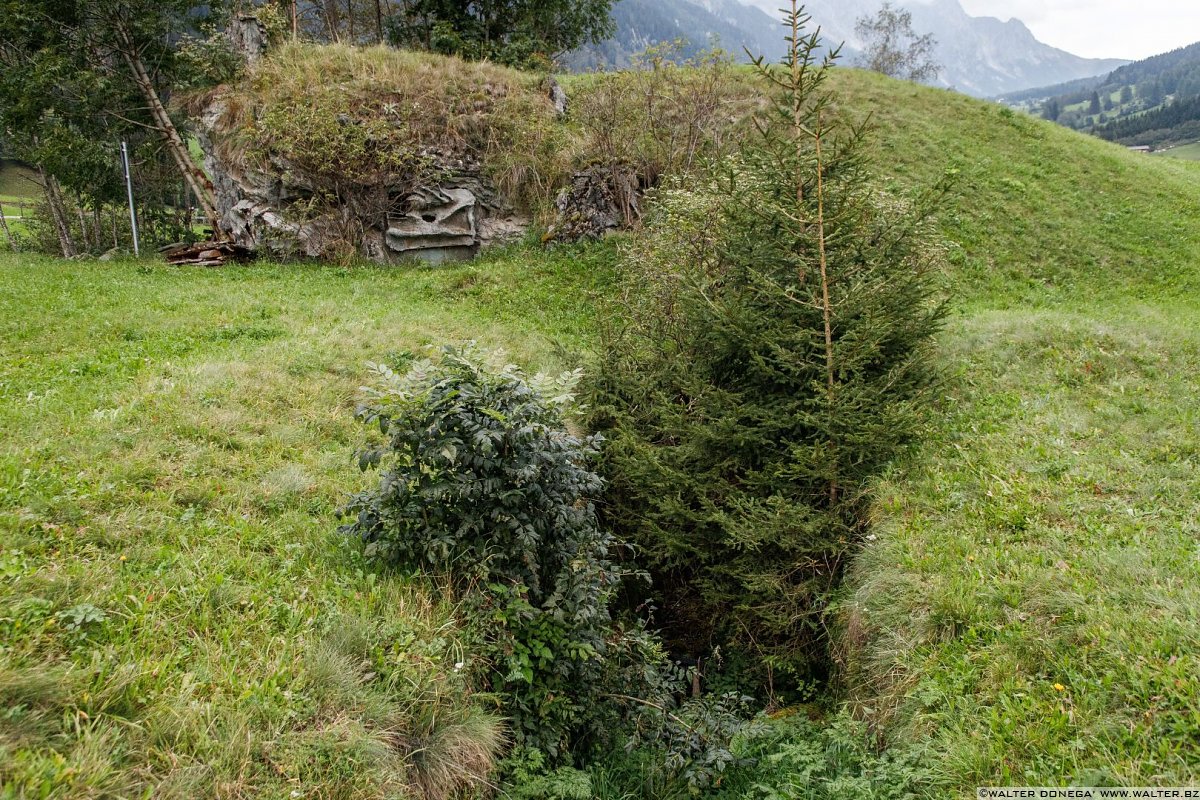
[(981, 56)]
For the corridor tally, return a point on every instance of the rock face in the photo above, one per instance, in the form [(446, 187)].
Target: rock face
[(558, 97), (443, 209), (600, 199), (248, 38), (267, 208), (439, 226)]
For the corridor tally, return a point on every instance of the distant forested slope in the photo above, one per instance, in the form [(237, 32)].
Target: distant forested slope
[(1151, 102), (1175, 123)]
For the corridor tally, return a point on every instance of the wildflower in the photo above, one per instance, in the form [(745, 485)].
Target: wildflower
[(1058, 687)]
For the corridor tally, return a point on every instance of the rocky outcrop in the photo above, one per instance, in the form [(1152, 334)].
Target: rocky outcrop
[(558, 97), (269, 207), (247, 37), (438, 224), (600, 199), (427, 198)]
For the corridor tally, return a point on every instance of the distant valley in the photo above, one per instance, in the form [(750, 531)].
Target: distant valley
[(1152, 103)]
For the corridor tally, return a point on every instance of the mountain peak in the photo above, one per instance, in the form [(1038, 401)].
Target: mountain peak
[(984, 56)]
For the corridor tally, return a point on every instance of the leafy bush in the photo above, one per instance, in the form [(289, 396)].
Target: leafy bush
[(524, 33), (527, 778), (482, 480), (713, 747), (776, 359), (794, 758)]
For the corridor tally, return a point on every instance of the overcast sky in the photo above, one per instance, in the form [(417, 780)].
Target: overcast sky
[(1102, 28)]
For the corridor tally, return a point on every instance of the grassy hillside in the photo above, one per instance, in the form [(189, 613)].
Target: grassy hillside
[(177, 615), (18, 195), (1028, 606), (16, 181), (1148, 102), (1044, 215)]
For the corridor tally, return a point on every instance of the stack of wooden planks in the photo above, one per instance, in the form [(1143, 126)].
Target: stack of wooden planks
[(205, 254)]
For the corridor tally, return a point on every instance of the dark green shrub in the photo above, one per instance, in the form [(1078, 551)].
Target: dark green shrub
[(482, 481), (776, 358)]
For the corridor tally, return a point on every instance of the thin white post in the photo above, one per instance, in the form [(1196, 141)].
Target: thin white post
[(129, 190)]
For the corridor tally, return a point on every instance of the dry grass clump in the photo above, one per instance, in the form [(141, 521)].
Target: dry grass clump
[(440, 102), (665, 117)]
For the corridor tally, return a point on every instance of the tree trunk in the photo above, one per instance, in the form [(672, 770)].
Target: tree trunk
[(12, 243), (196, 179), (84, 229), (58, 214), (332, 23), (379, 21)]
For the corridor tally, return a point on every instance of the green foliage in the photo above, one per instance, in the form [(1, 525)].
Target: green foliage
[(69, 96), (793, 757), (891, 47), (777, 360), (53, 107), (518, 33), (697, 742), (481, 479), (205, 59), (794, 754), (528, 777), (667, 116)]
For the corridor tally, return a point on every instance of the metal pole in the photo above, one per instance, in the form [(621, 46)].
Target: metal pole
[(129, 190)]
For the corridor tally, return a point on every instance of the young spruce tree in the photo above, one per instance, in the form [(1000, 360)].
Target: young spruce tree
[(776, 359)]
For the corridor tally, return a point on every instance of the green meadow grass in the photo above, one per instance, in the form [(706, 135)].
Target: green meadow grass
[(178, 617), (1190, 152), (177, 614), (1028, 607), (17, 182)]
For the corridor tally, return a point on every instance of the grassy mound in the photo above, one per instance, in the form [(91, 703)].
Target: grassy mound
[(1044, 215), (349, 119)]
